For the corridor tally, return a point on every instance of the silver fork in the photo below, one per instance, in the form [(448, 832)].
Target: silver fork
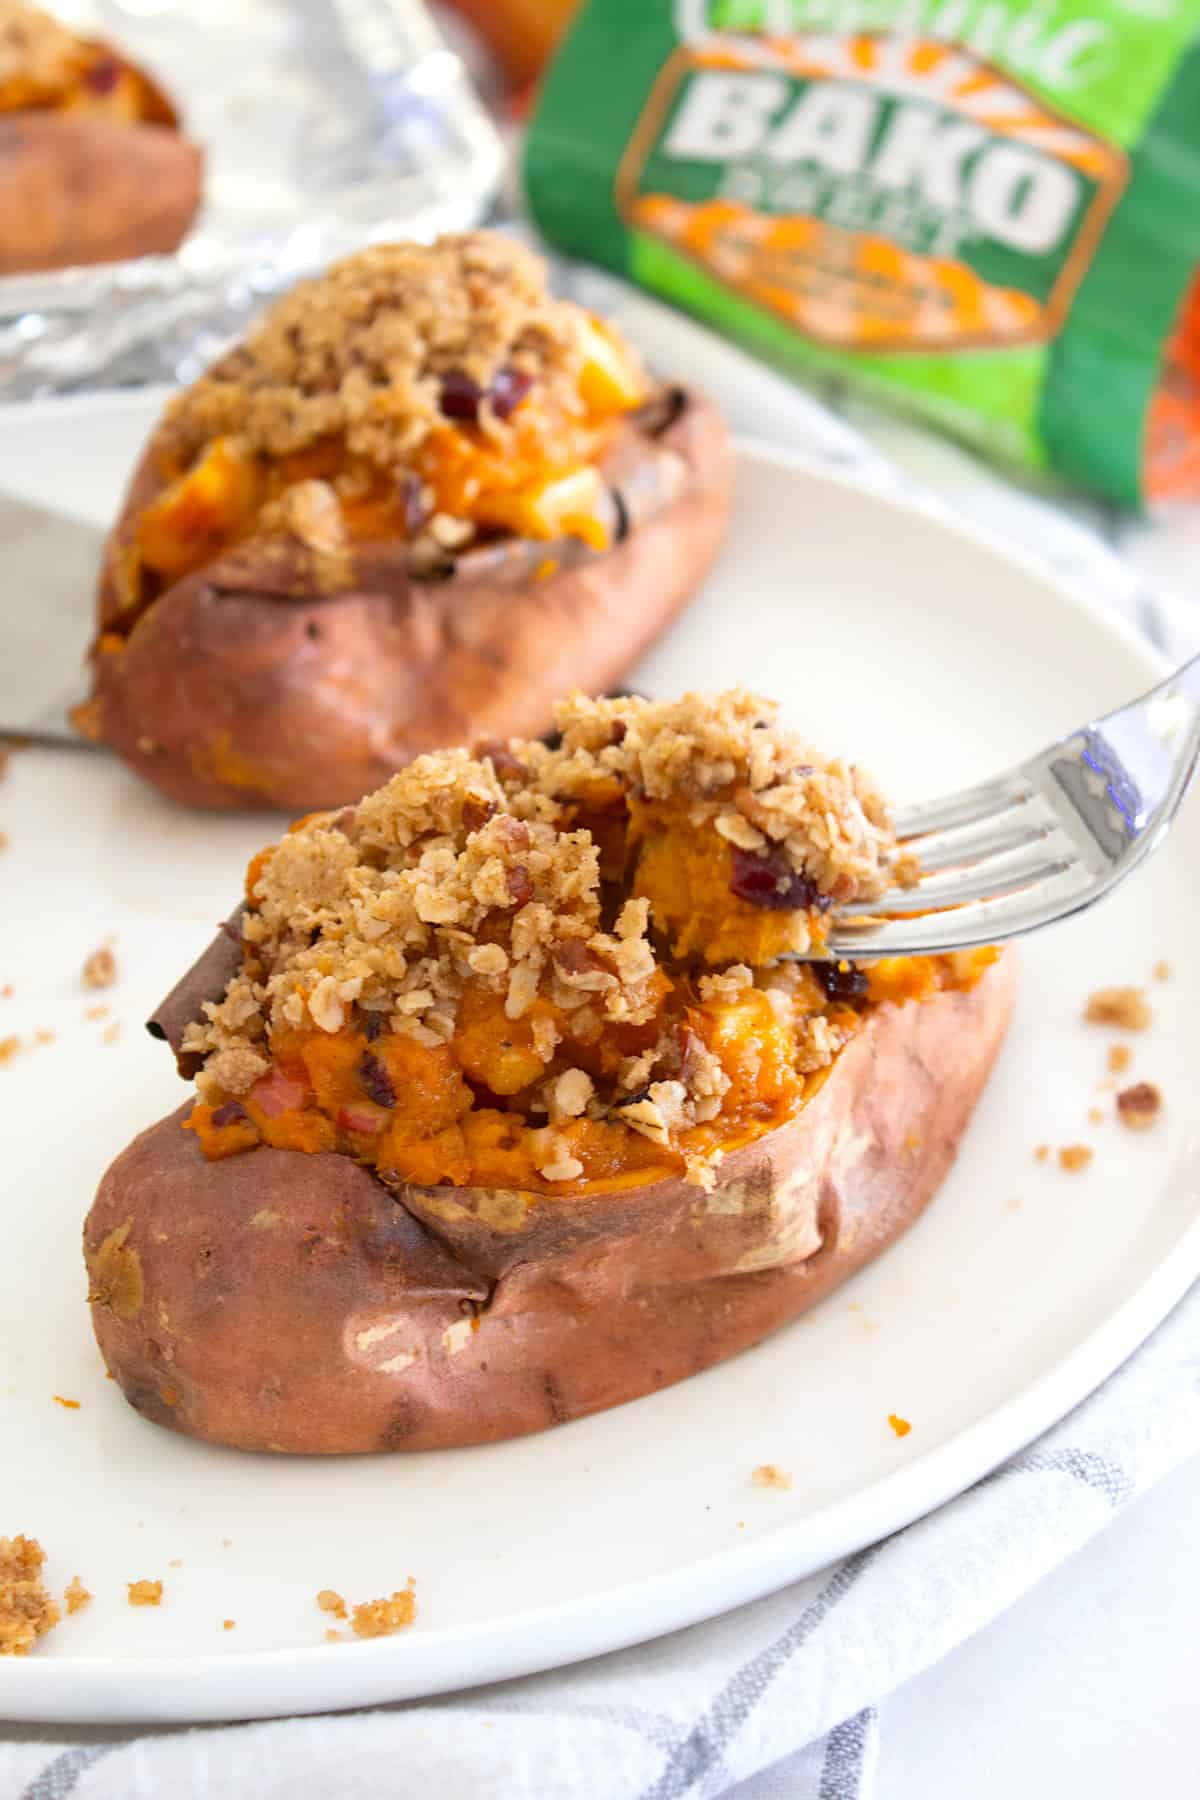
[(1045, 840)]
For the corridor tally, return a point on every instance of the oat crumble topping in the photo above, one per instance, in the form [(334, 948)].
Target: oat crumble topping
[(35, 47), (100, 969), (1126, 1007), (26, 1610), (361, 352), (1139, 1106), (491, 872)]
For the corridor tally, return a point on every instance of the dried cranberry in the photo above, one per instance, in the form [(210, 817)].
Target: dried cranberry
[(771, 882), (103, 75), (841, 981), (376, 1081), (509, 387), (229, 1113), (460, 397), (616, 731)]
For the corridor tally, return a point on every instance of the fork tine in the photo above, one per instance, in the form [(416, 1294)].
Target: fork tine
[(991, 879), (965, 808), (964, 927), (963, 846)]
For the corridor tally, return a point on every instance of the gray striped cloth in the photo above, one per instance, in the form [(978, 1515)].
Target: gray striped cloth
[(778, 1700)]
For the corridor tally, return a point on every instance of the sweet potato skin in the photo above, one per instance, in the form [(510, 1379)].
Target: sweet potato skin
[(241, 687), (276, 1301), (75, 189)]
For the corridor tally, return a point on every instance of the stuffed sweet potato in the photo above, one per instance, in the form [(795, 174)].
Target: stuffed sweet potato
[(420, 503), (495, 1127), (93, 165)]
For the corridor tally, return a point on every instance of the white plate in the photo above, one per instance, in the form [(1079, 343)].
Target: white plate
[(916, 647)]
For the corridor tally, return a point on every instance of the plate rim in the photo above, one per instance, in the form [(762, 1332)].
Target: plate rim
[(439, 1659)]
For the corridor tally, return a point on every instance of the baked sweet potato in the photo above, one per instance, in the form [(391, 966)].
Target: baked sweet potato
[(297, 600), (534, 1166), (93, 165)]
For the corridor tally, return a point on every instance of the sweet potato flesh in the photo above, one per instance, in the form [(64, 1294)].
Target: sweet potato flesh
[(98, 83), (540, 483), (464, 1113)]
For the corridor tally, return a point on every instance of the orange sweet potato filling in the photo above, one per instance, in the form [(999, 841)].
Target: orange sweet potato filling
[(459, 1113), (99, 83), (540, 482)]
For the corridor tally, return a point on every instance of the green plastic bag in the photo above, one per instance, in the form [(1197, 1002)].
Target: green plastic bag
[(986, 210)]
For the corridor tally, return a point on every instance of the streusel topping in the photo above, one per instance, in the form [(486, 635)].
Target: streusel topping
[(496, 868), (364, 352), (35, 48)]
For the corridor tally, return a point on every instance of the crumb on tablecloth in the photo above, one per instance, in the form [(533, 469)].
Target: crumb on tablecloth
[(1139, 1106), (1095, 1115), (145, 1593), (96, 1012), (1123, 1006), (8, 1048), (27, 1612), (900, 1426), (111, 1033), (1075, 1157), (228, 1624), (100, 969), (1162, 971), (44, 1035), (61, 1400), (76, 1595), (1119, 1058), (331, 1602), (768, 1475), (1042, 1152)]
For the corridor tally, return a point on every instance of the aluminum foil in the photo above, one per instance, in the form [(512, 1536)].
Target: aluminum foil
[(326, 124)]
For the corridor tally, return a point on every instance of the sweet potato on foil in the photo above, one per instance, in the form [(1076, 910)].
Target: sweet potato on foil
[(544, 1160), (93, 164), (422, 503)]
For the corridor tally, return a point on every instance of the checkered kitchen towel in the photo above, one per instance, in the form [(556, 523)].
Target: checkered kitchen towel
[(776, 1701)]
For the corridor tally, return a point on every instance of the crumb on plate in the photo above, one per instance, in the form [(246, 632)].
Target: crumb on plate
[(27, 1612), (228, 1624), (111, 1033), (145, 1593), (96, 1012), (1119, 1058), (1095, 1115), (1042, 1152), (44, 1035), (1162, 971), (8, 1048), (71, 1405), (332, 1636), (1123, 1006), (1139, 1106), (330, 1601), (380, 1618), (76, 1595), (176, 1562), (100, 969), (1075, 1157), (900, 1426), (768, 1475)]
